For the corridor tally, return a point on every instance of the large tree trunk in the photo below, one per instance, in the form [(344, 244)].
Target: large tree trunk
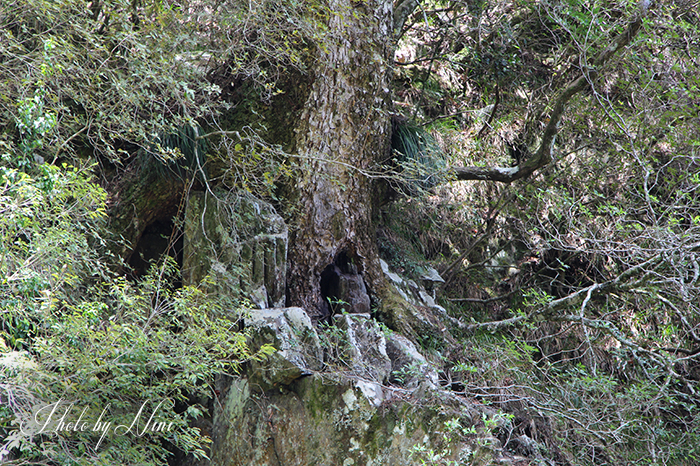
[(344, 129)]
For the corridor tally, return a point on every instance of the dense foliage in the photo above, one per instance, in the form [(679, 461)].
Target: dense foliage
[(574, 293), (84, 87), (579, 288)]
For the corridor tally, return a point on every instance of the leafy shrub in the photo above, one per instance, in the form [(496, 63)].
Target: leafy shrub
[(94, 341)]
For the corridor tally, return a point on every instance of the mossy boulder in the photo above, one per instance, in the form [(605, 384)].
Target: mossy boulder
[(235, 245)]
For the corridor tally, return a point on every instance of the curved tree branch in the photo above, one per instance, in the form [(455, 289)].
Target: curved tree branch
[(544, 154), (402, 11), (549, 310)]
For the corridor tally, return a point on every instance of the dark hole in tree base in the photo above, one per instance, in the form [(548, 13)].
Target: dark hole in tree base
[(342, 288), (330, 281), (153, 244)]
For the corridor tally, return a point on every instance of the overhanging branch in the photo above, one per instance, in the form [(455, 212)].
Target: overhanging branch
[(544, 154), (401, 13), (548, 310)]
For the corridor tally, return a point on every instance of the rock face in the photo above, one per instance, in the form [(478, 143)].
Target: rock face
[(327, 421), (365, 346), (237, 245), (349, 391), (409, 366), (412, 292), (298, 347), (295, 410), (411, 310)]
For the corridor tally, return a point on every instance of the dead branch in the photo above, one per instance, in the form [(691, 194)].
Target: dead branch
[(401, 13), (567, 301)]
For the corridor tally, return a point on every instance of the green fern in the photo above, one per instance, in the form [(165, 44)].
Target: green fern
[(180, 153), (419, 156)]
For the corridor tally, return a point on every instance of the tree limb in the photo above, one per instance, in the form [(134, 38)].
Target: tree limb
[(401, 13), (544, 154), (493, 113), (548, 309)]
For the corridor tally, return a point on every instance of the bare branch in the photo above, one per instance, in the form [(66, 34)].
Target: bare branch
[(487, 300), (401, 13), (576, 297), (566, 301)]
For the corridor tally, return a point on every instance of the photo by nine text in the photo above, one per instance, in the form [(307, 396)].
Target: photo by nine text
[(64, 417)]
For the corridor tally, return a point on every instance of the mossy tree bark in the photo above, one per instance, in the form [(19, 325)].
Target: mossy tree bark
[(343, 130)]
